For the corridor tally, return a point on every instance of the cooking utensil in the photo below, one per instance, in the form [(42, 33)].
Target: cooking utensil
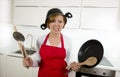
[(19, 37), (90, 48), (89, 62)]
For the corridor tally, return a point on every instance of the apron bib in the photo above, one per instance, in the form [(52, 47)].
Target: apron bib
[(52, 60)]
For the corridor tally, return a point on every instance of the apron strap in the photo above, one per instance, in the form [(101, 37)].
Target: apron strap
[(45, 39), (62, 41), (61, 37)]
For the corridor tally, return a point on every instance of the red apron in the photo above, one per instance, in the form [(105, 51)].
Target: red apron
[(52, 60)]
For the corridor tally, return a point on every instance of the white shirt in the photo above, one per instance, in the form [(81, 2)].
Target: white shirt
[(67, 45)]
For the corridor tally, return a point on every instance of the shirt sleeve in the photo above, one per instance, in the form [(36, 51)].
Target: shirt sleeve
[(68, 47), (36, 57)]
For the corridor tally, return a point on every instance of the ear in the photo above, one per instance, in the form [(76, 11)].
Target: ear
[(43, 26), (68, 15)]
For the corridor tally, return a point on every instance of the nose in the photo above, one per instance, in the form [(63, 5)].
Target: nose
[(57, 23)]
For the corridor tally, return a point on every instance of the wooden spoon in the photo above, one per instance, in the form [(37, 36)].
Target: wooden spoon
[(89, 62), (19, 37)]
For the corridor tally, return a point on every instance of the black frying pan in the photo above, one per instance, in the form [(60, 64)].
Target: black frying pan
[(90, 48)]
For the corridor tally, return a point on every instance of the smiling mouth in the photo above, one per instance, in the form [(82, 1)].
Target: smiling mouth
[(56, 29)]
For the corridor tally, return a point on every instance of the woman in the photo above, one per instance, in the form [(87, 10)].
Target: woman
[(54, 48)]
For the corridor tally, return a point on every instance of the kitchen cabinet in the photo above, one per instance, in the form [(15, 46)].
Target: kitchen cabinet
[(34, 16), (47, 3), (60, 2), (35, 71), (31, 13), (2, 65), (99, 18), (28, 16), (100, 3), (100, 14), (117, 73), (87, 14), (26, 3), (15, 67), (25, 12)]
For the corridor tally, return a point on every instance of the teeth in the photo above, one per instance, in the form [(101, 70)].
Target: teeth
[(56, 28)]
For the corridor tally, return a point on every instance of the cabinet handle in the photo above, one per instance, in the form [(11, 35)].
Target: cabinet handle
[(15, 56)]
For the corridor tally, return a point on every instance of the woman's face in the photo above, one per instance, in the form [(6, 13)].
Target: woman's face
[(57, 24)]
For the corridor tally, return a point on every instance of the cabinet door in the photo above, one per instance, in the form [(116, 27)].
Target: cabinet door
[(26, 2), (35, 72), (16, 69), (101, 3), (99, 18), (60, 2), (29, 16), (73, 22), (1, 65), (117, 73)]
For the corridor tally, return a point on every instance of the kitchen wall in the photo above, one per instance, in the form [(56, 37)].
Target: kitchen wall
[(93, 22)]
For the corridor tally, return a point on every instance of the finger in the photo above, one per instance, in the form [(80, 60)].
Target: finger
[(80, 64), (26, 62), (68, 67), (75, 69)]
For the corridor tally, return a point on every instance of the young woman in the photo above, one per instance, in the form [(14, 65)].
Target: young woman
[(54, 48)]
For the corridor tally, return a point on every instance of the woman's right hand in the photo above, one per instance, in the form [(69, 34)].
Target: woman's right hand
[(27, 62), (74, 66)]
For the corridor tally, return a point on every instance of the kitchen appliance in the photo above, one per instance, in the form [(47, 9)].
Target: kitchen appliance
[(93, 48), (97, 71)]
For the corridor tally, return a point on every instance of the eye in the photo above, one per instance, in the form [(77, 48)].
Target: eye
[(60, 21), (52, 21)]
